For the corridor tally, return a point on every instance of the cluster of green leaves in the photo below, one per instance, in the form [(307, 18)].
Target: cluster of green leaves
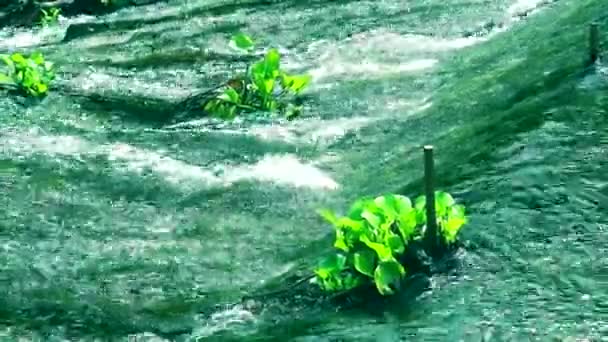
[(373, 236), (263, 87), (49, 17), (450, 216), (31, 75)]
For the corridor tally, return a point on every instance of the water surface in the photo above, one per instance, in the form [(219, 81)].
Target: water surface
[(125, 214)]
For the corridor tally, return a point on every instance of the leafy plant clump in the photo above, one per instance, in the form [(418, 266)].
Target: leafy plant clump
[(264, 86), (30, 75), (374, 236), (49, 17)]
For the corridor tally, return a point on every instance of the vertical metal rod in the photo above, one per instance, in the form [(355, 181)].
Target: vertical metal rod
[(594, 42), (429, 189)]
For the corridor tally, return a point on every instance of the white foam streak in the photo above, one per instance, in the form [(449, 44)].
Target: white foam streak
[(279, 169)]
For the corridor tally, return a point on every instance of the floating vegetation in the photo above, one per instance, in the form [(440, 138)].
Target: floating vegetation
[(29, 75), (49, 17), (264, 86), (373, 238)]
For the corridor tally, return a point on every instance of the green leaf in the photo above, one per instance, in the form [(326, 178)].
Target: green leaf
[(443, 201), (269, 87), (328, 272), (452, 225), (7, 60), (18, 58), (6, 79), (395, 243), (420, 202), (340, 242), (458, 211), (451, 228), (407, 224), (332, 263), (395, 204), (357, 208), (273, 60), (420, 206), (230, 95), (37, 58), (386, 205), (384, 253), (211, 106), (388, 273), (41, 88), (243, 42), (295, 83), (373, 219), (329, 216), (350, 281), (402, 204), (365, 262), (353, 225), (340, 222)]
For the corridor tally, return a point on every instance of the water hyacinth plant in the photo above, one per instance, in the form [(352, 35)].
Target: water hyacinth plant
[(264, 86), (374, 235), (30, 75)]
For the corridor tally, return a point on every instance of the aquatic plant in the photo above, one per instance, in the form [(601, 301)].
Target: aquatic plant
[(31, 75), (264, 86), (372, 238), (49, 17), (450, 216)]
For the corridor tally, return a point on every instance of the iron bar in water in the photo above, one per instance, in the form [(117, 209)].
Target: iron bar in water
[(594, 42), (431, 216)]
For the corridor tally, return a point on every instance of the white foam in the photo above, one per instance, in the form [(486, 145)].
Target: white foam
[(11, 38), (380, 52), (286, 170), (53, 145), (280, 169), (523, 6), (223, 320), (174, 171), (312, 131), (105, 82), (102, 39), (383, 41), (22, 39), (368, 68)]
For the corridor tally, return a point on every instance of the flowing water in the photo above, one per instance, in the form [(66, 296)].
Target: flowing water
[(123, 214)]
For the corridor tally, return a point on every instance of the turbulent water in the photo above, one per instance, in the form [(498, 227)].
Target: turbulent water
[(123, 214)]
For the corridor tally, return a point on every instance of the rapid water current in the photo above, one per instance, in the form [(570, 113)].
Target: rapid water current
[(124, 216)]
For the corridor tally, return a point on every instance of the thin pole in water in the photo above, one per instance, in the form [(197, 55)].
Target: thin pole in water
[(431, 215), (594, 42)]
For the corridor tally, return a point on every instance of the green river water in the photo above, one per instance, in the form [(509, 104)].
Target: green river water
[(123, 214)]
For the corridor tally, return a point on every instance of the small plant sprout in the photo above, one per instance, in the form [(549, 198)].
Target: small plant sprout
[(264, 86), (49, 17), (242, 42), (374, 236), (30, 75)]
